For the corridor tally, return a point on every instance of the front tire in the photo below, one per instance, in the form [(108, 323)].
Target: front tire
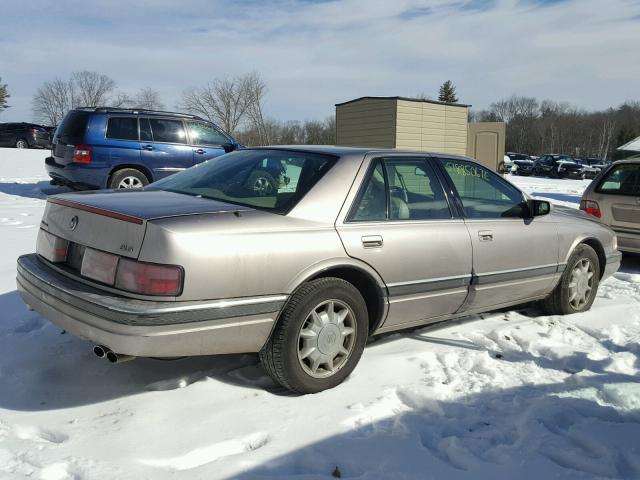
[(262, 182), (578, 286), (22, 143), (128, 178), (319, 337)]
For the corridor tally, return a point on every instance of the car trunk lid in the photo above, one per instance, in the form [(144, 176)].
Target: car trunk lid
[(116, 221)]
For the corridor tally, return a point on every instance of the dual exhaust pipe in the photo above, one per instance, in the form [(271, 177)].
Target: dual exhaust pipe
[(105, 352)]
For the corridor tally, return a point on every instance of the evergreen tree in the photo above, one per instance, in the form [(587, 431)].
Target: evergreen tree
[(448, 92), (4, 94)]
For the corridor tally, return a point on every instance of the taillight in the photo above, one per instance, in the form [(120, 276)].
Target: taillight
[(148, 278), (82, 154), (51, 247), (591, 207)]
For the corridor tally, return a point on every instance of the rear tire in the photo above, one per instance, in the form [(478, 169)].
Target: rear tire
[(22, 143), (319, 337), (578, 286), (128, 178)]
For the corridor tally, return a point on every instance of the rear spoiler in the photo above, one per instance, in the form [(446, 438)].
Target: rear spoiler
[(96, 210)]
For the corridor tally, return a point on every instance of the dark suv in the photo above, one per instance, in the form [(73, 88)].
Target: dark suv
[(24, 135), (549, 165), (102, 147)]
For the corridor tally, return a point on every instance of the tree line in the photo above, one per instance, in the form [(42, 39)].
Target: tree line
[(237, 105), (536, 127)]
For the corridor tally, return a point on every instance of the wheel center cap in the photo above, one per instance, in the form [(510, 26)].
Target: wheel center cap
[(329, 340)]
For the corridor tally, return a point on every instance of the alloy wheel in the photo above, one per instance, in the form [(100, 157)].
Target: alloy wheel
[(326, 339), (130, 182), (21, 144), (581, 283)]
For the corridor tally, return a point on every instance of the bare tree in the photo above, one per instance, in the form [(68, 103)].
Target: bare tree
[(225, 101), (256, 89), (91, 89), (51, 101), (147, 98), (120, 100)]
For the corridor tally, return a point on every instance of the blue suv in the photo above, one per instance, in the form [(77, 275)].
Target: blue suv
[(95, 148)]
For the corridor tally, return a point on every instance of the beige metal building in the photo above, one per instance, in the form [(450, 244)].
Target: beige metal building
[(415, 124)]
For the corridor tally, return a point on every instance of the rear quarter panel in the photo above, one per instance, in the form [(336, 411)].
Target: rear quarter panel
[(228, 255), (575, 227)]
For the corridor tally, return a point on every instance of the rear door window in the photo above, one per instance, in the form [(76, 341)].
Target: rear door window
[(401, 189), (122, 128), (73, 127), (621, 180), (167, 131), (203, 134)]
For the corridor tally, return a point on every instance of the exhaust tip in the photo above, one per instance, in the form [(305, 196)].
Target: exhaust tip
[(100, 351), (118, 358)]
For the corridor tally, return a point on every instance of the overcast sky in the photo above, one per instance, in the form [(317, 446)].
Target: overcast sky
[(313, 54)]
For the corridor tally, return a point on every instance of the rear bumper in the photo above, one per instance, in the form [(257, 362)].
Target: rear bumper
[(146, 328), (79, 177), (628, 241), (40, 142)]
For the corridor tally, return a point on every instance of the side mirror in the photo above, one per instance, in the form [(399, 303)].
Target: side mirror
[(228, 147), (538, 208), (419, 172)]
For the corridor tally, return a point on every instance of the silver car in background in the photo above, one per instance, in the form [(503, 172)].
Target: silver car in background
[(614, 198), (330, 246)]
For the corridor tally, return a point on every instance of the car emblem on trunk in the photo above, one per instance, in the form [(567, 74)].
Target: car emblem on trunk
[(73, 223)]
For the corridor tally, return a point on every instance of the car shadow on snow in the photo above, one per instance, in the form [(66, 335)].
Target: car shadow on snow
[(39, 190), (44, 368)]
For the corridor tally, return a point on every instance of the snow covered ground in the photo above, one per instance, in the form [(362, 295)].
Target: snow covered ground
[(509, 394)]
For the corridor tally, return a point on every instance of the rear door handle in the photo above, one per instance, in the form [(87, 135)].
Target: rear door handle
[(200, 151), (147, 147), (372, 241), (485, 235)]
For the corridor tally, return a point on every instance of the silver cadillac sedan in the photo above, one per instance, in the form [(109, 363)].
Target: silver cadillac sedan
[(301, 254)]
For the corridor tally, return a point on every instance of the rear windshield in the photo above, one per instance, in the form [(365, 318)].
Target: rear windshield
[(273, 180), (72, 128), (621, 180)]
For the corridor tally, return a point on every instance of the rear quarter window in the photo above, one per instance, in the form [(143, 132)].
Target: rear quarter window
[(122, 128)]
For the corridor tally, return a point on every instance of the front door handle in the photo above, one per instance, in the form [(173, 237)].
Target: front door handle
[(200, 151), (372, 241), (148, 148), (485, 235)]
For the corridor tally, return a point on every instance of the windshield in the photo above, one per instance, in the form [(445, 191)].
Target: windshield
[(273, 180)]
